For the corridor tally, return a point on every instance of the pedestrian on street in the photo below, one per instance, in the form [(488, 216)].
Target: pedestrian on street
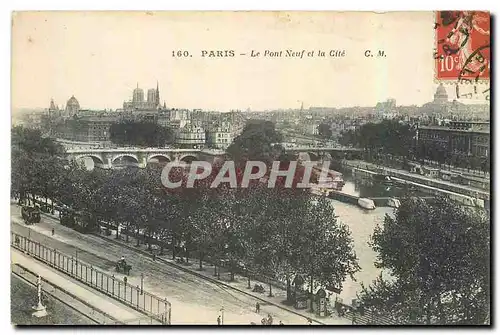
[(269, 319), (53, 231), (257, 308), (218, 320)]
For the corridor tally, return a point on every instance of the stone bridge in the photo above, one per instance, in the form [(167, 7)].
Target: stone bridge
[(324, 153), (107, 158)]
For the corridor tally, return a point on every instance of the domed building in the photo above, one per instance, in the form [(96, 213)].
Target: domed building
[(72, 106), (440, 96), (442, 108), (454, 132)]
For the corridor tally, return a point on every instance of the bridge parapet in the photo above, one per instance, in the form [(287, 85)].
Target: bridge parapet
[(318, 149), (106, 157)]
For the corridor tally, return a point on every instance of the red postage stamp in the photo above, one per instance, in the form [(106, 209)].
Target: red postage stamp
[(462, 45)]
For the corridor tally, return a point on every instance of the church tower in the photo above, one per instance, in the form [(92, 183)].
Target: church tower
[(53, 109), (157, 95)]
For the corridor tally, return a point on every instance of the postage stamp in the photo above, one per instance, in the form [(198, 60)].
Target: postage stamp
[(462, 51)]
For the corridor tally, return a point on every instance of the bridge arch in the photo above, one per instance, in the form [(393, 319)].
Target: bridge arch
[(308, 156), (314, 156), (158, 158), (132, 156), (125, 160), (188, 158), (152, 156), (97, 161)]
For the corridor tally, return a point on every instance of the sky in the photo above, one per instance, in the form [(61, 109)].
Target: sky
[(100, 57)]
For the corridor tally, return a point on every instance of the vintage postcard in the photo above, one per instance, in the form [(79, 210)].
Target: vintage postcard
[(250, 168)]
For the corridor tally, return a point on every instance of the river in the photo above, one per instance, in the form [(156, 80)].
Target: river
[(362, 223)]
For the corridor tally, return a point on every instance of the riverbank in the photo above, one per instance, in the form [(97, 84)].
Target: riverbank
[(419, 179)]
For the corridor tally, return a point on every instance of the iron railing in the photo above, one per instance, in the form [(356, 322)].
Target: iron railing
[(359, 316), (133, 296), (96, 315)]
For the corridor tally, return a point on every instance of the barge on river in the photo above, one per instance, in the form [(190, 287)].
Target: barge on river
[(328, 180), (364, 203)]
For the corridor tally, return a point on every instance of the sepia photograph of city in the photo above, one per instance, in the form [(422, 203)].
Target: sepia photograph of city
[(258, 168)]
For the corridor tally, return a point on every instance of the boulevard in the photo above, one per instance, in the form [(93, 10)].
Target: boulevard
[(186, 292)]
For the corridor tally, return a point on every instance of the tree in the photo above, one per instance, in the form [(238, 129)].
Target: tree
[(272, 232), (386, 137), (31, 141), (348, 137), (326, 248), (259, 141), (324, 130), (140, 133), (36, 162), (438, 253), (288, 233)]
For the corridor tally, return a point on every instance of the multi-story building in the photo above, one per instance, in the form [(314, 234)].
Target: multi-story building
[(180, 114), (98, 128), (308, 126), (86, 129), (312, 129), (465, 137), (220, 136), (190, 136)]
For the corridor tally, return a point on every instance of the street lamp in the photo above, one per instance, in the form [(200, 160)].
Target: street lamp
[(142, 282), (222, 315)]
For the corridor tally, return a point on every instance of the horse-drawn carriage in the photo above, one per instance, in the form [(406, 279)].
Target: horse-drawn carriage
[(30, 214), (123, 267), (45, 208)]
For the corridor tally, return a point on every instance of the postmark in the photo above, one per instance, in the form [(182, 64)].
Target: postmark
[(462, 49)]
